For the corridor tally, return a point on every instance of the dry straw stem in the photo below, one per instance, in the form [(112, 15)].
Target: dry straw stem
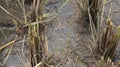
[(10, 51), (9, 43)]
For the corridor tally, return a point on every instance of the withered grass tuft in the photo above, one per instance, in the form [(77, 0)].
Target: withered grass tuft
[(109, 41), (106, 40), (36, 40)]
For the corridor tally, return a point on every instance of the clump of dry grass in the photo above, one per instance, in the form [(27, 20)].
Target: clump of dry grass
[(89, 14), (109, 41), (89, 10), (36, 40), (103, 63)]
